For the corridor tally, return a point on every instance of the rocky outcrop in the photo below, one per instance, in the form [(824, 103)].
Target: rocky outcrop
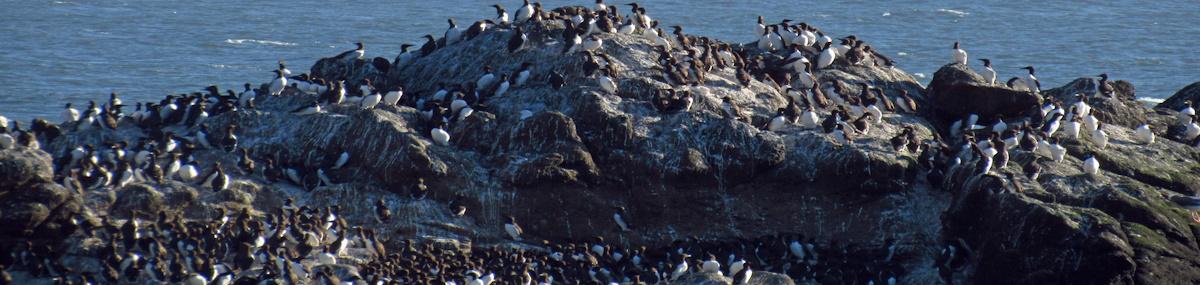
[(1068, 227), (31, 205), (957, 91), (1190, 93), (686, 174)]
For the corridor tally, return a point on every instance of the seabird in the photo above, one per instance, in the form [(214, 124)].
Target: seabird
[(393, 96), (477, 28), (1144, 135), (619, 218), (69, 114), (525, 12), (988, 73), (681, 268), (1103, 87), (278, 84), (711, 265), (453, 34), (606, 83), (501, 14), (517, 40), (522, 75), (370, 101), (1091, 166), (1191, 129), (382, 213), (229, 141), (1071, 129), (356, 53), (1186, 113), (245, 163), (309, 109), (217, 180), (503, 87), (513, 229), (761, 28), (592, 43), (429, 46), (828, 55), (187, 173), (440, 136), (743, 276), (779, 121), (485, 81), (960, 55), (556, 80), (1031, 82), (1099, 137)]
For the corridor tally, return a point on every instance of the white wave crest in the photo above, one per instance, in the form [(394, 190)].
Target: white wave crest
[(261, 42), (959, 13)]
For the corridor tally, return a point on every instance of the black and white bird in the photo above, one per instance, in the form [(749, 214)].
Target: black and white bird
[(513, 229), (988, 73), (960, 55), (620, 218), (382, 213), (517, 40), (311, 108)]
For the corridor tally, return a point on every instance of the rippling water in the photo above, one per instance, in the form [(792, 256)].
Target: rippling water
[(74, 51)]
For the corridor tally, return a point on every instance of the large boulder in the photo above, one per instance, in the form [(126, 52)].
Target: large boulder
[(20, 167), (1190, 93), (698, 278), (957, 91), (138, 200), (31, 205)]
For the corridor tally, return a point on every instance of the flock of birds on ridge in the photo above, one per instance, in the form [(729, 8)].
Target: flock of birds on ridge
[(298, 244)]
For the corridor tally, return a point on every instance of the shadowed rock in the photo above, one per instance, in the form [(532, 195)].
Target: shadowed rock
[(956, 91), (1188, 93)]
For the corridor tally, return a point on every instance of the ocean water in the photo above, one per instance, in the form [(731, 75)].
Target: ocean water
[(74, 50)]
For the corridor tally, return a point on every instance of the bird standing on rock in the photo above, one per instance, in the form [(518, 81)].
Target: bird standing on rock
[(606, 83), (517, 41), (960, 55), (382, 213), (513, 229)]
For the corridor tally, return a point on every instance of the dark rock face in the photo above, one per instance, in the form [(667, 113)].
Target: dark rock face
[(957, 91), (1188, 93), (31, 206)]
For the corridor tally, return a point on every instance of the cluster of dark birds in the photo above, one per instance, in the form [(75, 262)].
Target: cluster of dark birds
[(294, 245), (597, 262)]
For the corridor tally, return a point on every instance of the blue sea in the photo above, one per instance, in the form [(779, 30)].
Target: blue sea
[(74, 51)]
